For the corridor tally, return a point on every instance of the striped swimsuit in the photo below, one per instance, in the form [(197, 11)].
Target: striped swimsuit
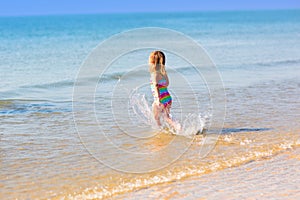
[(163, 94)]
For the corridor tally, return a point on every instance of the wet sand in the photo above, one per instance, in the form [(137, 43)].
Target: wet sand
[(274, 178)]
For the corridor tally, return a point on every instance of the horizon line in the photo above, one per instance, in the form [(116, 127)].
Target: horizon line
[(149, 12)]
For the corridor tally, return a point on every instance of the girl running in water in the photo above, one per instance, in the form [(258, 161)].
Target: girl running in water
[(159, 83)]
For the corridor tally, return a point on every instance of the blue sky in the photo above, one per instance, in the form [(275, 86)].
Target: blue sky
[(46, 7)]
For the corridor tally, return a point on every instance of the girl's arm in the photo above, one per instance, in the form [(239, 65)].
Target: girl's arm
[(167, 79), (154, 78), (157, 77)]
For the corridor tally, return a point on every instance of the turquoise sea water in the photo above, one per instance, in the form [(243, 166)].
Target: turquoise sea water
[(256, 53), (58, 45)]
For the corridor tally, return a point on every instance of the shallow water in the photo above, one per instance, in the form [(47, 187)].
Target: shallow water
[(42, 154)]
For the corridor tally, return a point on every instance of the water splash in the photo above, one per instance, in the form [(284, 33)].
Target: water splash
[(192, 123), (141, 110)]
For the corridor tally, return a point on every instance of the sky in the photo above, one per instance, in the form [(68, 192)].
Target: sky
[(50, 7)]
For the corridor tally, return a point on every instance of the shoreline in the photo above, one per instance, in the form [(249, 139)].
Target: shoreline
[(277, 177)]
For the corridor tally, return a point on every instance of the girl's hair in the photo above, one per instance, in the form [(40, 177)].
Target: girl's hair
[(157, 62)]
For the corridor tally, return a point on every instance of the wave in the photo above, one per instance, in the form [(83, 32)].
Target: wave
[(91, 79), (279, 63), (177, 173), (25, 106), (96, 78), (58, 84), (239, 130)]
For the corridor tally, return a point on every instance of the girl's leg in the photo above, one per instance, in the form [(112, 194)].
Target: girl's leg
[(167, 116), (166, 111), (156, 112)]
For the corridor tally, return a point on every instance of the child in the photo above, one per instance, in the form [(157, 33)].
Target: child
[(159, 83)]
